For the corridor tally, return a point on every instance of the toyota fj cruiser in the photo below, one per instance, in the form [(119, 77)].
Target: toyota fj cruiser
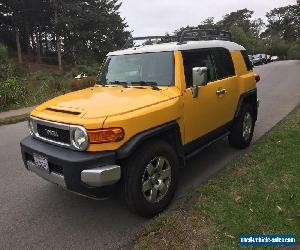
[(154, 106)]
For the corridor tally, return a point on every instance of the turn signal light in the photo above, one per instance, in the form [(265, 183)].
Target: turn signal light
[(106, 135)]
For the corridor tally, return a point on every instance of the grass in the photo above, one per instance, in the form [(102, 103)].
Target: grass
[(258, 193)]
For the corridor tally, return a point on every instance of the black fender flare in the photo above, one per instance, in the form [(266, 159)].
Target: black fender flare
[(169, 131), (247, 97)]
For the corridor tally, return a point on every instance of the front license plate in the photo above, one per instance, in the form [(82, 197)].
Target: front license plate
[(41, 162)]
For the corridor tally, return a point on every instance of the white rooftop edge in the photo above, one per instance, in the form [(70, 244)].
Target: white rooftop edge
[(174, 46)]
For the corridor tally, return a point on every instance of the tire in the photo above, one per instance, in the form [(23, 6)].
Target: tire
[(138, 173), (243, 127)]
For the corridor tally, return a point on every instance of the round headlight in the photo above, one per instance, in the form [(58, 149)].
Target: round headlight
[(30, 126), (80, 138)]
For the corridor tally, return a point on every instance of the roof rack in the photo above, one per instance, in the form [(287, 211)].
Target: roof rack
[(198, 34), (190, 34), (149, 40)]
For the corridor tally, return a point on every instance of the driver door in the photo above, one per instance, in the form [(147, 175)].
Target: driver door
[(202, 114)]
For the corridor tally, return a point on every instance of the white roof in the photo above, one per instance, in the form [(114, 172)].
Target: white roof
[(174, 46)]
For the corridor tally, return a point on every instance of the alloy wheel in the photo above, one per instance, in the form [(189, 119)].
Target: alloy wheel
[(156, 179)]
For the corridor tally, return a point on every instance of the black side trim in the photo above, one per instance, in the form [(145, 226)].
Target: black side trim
[(198, 144), (251, 96), (173, 131), (198, 150)]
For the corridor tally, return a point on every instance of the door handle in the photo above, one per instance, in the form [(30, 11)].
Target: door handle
[(221, 92)]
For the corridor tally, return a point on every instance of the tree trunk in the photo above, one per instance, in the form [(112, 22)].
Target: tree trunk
[(18, 47), (32, 41), (27, 39), (58, 40), (46, 42), (38, 46), (59, 52)]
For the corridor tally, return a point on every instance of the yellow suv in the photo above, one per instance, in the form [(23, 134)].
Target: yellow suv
[(154, 106)]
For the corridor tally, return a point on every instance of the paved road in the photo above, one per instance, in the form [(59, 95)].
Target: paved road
[(38, 215)]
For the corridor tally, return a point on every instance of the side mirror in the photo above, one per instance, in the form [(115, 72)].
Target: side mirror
[(199, 79)]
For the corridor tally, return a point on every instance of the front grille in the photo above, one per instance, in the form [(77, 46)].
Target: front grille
[(54, 134)]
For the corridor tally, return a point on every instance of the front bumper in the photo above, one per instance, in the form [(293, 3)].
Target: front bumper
[(89, 173)]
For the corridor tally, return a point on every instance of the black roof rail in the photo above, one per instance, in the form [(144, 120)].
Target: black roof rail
[(189, 34), (164, 39), (198, 34)]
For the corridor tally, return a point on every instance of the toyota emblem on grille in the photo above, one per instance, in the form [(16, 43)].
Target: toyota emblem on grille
[(51, 132)]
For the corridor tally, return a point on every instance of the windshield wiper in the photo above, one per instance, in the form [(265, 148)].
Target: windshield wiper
[(124, 84), (143, 83)]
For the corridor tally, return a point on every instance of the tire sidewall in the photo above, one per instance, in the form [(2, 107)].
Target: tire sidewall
[(141, 204), (235, 137), (247, 109)]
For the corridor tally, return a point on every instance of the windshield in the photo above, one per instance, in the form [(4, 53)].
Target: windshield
[(155, 68)]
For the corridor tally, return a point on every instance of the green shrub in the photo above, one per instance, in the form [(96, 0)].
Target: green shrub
[(83, 83), (13, 91), (89, 70), (294, 52), (44, 89)]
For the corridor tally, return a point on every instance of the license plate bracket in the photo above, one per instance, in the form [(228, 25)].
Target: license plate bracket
[(41, 162)]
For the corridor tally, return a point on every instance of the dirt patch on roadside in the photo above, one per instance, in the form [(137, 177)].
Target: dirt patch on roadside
[(177, 230)]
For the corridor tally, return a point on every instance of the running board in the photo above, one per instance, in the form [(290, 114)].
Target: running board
[(197, 151)]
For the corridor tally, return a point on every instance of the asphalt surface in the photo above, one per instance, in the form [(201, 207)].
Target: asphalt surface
[(38, 215)]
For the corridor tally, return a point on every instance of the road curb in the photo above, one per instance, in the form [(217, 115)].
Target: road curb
[(14, 119)]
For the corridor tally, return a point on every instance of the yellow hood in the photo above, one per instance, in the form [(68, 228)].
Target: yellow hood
[(101, 102)]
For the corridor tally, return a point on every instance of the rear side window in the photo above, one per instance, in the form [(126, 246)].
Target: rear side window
[(198, 58), (247, 60), (223, 63)]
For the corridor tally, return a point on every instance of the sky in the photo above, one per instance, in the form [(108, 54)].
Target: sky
[(156, 17)]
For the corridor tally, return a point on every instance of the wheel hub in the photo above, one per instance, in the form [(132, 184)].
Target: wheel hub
[(156, 179), (247, 126)]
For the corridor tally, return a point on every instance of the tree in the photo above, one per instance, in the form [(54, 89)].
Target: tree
[(7, 67), (239, 18), (12, 17), (77, 31), (284, 22), (294, 51), (240, 36), (245, 30), (208, 23), (55, 5)]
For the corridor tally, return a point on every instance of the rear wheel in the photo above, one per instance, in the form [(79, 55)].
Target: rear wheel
[(243, 128), (150, 178)]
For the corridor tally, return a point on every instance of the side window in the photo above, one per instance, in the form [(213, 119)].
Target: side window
[(247, 60), (197, 58), (224, 63)]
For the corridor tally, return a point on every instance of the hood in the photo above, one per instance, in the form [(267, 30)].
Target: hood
[(99, 102)]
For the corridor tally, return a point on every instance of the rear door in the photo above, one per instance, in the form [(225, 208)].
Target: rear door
[(227, 79)]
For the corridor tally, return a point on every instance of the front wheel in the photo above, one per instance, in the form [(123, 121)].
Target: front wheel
[(150, 178), (243, 127)]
